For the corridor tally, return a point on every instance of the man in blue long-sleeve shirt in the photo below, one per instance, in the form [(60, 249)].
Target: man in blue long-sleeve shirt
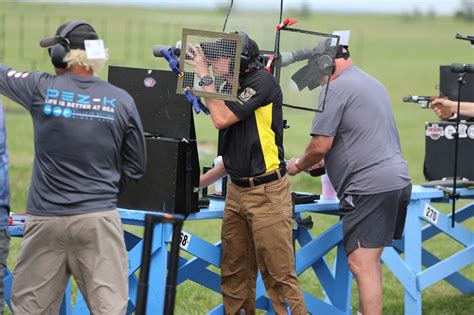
[(4, 205)]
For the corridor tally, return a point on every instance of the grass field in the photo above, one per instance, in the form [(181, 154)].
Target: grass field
[(403, 52)]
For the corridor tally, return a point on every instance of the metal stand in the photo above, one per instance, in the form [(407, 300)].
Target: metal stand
[(142, 295), (454, 195)]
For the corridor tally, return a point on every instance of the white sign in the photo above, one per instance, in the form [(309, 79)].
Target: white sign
[(343, 38), (95, 49), (184, 240), (430, 213)]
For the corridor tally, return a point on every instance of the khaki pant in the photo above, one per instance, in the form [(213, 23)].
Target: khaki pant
[(90, 247), (256, 231)]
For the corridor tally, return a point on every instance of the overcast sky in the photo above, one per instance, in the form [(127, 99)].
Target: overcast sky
[(441, 7)]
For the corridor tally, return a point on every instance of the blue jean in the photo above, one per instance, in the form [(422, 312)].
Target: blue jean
[(4, 247)]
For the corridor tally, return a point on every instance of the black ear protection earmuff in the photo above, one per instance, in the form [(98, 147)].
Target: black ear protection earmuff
[(62, 45), (327, 61), (244, 54)]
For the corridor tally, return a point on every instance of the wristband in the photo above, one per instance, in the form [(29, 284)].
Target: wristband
[(296, 165)]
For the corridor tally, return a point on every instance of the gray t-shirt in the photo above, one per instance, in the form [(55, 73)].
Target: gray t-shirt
[(88, 140), (365, 157)]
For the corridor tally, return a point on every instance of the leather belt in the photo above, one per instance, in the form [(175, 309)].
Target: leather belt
[(259, 180)]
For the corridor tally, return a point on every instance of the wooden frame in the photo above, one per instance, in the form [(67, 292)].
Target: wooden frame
[(235, 76)]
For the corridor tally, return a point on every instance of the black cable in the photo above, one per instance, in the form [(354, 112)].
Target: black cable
[(276, 53), (219, 137), (325, 94), (281, 10), (456, 142), (228, 13), (299, 107)]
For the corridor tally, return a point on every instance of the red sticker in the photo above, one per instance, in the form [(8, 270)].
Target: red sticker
[(434, 131)]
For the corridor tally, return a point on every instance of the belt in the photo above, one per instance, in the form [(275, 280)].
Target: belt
[(259, 180)]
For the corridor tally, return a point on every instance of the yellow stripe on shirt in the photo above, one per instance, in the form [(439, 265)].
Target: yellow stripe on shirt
[(263, 116)]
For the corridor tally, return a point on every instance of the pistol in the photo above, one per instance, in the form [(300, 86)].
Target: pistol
[(424, 101)]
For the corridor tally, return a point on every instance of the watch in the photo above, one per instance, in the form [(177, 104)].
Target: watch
[(206, 80)]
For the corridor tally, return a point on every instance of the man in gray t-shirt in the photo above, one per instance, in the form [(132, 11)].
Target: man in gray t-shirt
[(356, 135), (88, 142)]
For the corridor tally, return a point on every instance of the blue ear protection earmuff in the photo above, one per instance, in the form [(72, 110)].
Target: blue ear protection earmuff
[(62, 45)]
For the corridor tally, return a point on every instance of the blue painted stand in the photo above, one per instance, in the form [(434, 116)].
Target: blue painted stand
[(336, 284), (408, 270), (335, 280)]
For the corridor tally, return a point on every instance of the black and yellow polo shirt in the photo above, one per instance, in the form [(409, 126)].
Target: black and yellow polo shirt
[(254, 145)]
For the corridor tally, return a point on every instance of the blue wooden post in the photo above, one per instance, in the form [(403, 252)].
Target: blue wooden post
[(343, 279), (159, 260), (413, 243), (65, 308), (7, 282)]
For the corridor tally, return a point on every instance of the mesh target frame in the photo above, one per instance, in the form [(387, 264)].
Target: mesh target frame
[(189, 80), (305, 99)]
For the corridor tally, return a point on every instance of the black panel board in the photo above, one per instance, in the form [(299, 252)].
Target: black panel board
[(439, 151), (448, 85), (163, 187), (163, 112)]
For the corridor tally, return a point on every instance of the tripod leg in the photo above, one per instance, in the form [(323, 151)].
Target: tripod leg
[(142, 293)]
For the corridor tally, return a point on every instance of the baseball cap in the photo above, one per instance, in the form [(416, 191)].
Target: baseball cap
[(219, 48), (226, 48), (254, 51), (76, 37)]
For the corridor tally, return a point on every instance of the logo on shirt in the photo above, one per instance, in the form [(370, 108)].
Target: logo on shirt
[(16, 74), (57, 111), (72, 105), (47, 109), (247, 94), (67, 113)]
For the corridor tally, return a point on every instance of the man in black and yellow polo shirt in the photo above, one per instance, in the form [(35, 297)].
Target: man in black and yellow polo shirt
[(256, 229)]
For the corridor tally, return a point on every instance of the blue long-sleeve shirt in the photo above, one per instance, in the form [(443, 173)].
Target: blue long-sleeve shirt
[(88, 140), (4, 179)]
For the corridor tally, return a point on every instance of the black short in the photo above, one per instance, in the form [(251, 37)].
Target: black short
[(374, 221)]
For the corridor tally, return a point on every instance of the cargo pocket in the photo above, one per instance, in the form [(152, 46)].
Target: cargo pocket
[(274, 248)]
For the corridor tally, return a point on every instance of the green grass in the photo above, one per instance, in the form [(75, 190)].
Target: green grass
[(404, 54)]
